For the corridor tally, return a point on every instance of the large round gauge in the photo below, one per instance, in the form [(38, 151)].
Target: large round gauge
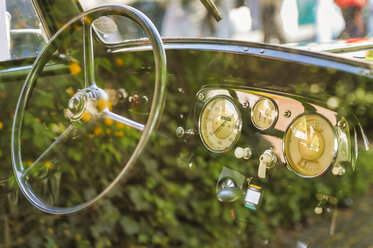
[(264, 114), (310, 145), (220, 124)]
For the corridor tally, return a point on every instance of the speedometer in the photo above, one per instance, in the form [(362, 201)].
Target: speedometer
[(310, 145), (220, 124)]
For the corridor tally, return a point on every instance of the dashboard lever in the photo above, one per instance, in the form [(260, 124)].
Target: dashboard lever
[(266, 161), (228, 195)]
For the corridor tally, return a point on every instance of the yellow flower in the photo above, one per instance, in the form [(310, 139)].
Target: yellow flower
[(29, 163), (1, 125), (108, 131), (76, 26), (70, 91), (75, 68), (97, 131), (119, 133), (67, 232), (78, 236), (119, 61), (120, 125), (101, 104), (88, 20), (107, 121), (48, 164), (86, 117), (37, 119)]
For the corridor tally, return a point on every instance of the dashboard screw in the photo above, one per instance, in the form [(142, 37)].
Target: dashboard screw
[(287, 114), (180, 132), (245, 104), (201, 96), (341, 124), (261, 50)]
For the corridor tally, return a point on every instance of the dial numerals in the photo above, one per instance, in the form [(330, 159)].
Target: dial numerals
[(220, 124)]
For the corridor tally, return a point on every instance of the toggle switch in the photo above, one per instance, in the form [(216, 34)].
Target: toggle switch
[(266, 161), (324, 200)]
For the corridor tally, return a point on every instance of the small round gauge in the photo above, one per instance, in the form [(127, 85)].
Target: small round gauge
[(220, 124), (310, 145), (264, 114)]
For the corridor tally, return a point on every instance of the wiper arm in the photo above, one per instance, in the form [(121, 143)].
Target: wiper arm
[(211, 7)]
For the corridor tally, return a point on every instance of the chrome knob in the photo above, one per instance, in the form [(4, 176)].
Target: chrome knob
[(228, 190), (244, 153)]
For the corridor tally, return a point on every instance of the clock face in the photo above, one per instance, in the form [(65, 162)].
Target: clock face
[(310, 145), (220, 124)]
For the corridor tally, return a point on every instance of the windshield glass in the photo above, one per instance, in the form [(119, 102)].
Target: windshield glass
[(270, 21)]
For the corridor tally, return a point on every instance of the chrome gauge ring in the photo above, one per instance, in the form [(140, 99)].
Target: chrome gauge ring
[(220, 124), (310, 145), (264, 114)]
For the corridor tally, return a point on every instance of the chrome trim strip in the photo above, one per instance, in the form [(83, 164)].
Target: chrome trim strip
[(44, 26), (22, 71), (327, 60)]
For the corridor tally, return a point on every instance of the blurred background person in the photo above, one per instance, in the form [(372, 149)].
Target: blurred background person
[(370, 19), (352, 11), (329, 21), (271, 21)]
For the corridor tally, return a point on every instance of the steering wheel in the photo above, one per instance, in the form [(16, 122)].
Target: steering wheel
[(77, 105)]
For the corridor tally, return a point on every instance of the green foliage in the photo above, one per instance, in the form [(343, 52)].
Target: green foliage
[(168, 199)]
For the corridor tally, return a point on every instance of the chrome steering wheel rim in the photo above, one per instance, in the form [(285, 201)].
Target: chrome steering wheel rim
[(154, 114)]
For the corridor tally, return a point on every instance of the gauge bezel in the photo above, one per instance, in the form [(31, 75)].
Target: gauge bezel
[(234, 142), (334, 152), (276, 112)]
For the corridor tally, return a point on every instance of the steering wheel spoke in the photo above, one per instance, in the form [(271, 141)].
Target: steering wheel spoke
[(89, 61), (59, 140), (118, 118)]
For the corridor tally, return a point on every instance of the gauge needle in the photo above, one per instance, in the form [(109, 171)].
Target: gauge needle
[(220, 127)]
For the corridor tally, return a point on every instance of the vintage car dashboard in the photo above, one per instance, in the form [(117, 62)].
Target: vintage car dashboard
[(254, 140), (269, 132), (307, 138)]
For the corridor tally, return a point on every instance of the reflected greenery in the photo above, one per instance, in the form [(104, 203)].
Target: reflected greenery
[(169, 197)]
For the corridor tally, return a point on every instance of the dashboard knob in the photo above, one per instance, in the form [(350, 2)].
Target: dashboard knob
[(318, 210), (244, 153), (180, 132), (338, 170), (228, 190), (228, 195)]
